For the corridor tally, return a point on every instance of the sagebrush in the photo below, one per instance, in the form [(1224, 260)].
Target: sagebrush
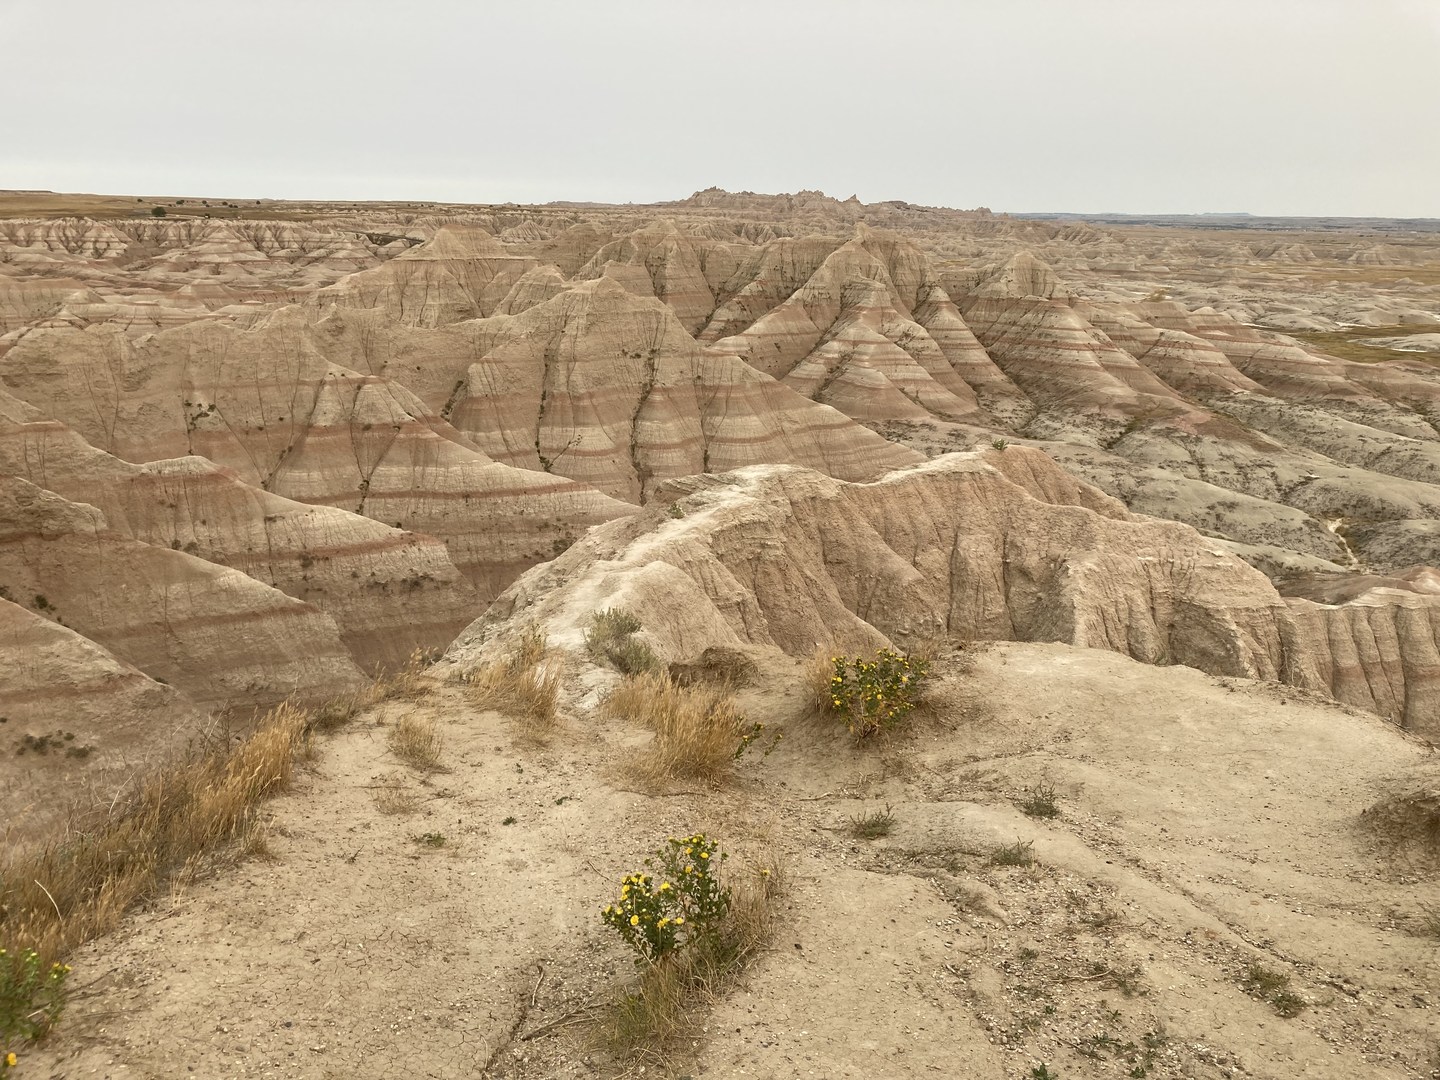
[(611, 640)]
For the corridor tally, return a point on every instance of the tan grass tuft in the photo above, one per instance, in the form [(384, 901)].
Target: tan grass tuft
[(416, 741), (524, 685), (697, 728), (393, 795), (819, 670), (73, 888), (410, 683)]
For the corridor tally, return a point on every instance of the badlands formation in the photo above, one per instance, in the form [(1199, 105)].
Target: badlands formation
[(1186, 474)]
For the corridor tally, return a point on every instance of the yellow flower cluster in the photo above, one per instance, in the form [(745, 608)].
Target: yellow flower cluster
[(656, 919), (875, 694)]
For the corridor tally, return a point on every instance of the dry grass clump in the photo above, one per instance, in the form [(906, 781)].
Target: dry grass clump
[(394, 795), (663, 1011), (525, 685), (77, 886), (698, 730), (819, 669), (409, 683), (1274, 987), (416, 741)]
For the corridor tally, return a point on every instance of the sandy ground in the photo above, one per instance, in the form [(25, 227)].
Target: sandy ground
[(1205, 825)]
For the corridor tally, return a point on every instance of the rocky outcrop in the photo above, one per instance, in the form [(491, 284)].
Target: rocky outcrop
[(73, 714), (215, 634), (389, 591), (607, 388), (1001, 546), (461, 273), (272, 406)]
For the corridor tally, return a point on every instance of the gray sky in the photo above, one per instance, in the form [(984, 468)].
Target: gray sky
[(1270, 106)]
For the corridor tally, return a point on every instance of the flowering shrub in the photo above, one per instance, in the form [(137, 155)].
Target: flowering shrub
[(871, 696), (32, 998), (657, 920)]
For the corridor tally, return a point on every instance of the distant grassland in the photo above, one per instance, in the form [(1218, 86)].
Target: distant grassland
[(51, 204), (1345, 344)]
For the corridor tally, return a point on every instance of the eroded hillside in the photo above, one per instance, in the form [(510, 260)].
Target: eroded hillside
[(248, 458)]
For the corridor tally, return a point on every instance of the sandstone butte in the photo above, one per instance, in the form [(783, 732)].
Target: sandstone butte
[(294, 450)]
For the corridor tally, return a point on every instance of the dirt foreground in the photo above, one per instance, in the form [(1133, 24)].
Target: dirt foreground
[(1206, 826)]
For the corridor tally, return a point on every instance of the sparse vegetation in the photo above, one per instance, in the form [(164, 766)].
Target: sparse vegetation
[(874, 825), (1041, 801), (873, 696), (32, 997), (393, 795), (1020, 853), (409, 683), (711, 929), (523, 684), (58, 894), (1273, 987), (611, 640), (417, 742), (699, 732), (998, 444), (431, 839)]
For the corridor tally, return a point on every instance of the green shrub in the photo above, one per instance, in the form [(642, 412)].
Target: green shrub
[(32, 997), (875, 695), (656, 920), (611, 640)]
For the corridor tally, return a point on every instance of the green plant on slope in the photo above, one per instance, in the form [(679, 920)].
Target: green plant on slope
[(32, 997), (871, 696), (654, 919)]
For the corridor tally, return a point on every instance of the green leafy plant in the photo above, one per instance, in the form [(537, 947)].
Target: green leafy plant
[(874, 825), (711, 930), (611, 639), (1041, 802), (1020, 853), (1273, 987), (999, 444), (32, 997), (871, 696), (749, 738), (655, 920)]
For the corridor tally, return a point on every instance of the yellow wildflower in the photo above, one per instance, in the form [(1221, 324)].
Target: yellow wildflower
[(679, 920), (10, 1060), (634, 920)]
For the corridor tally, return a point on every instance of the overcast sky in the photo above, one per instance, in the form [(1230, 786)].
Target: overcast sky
[(1267, 106)]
